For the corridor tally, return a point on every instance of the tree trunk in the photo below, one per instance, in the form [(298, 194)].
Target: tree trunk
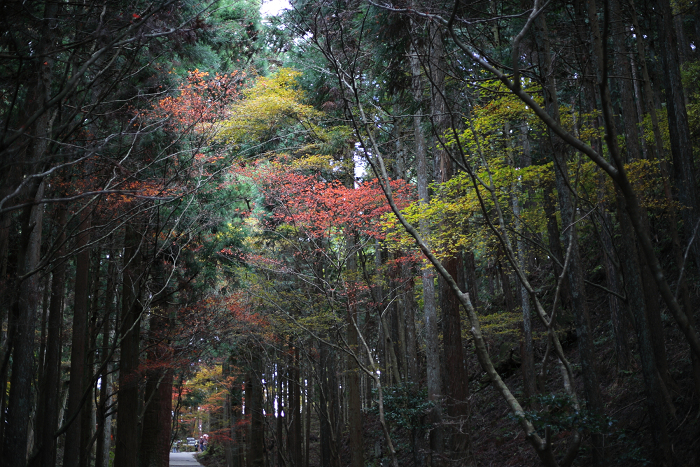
[(19, 407), (254, 406), (47, 411), (127, 444), (353, 375), (155, 435), (679, 132), (527, 354), (75, 449), (410, 307), (432, 350), (655, 403), (104, 428)]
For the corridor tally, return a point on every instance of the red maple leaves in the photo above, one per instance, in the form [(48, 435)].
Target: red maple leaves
[(326, 208)]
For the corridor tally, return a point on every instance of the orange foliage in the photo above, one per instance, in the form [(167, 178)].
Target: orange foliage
[(202, 99)]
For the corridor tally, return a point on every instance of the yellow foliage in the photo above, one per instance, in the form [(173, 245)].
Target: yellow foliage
[(272, 102)]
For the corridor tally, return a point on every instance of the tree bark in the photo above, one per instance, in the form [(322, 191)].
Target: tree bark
[(127, 443), (432, 351), (155, 435), (353, 375), (254, 406), (679, 132), (75, 449), (19, 408), (47, 411)]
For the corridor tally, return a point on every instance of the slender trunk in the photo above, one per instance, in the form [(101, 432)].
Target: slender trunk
[(456, 376), (681, 151), (281, 414), (410, 307), (353, 375), (293, 407), (526, 349), (663, 167), (307, 411), (633, 273), (527, 354), (103, 419), (324, 412)]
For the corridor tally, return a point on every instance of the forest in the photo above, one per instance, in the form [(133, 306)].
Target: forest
[(424, 233)]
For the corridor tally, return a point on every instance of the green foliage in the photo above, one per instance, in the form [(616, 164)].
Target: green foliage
[(691, 83), (557, 413), (648, 129), (501, 324), (406, 405)]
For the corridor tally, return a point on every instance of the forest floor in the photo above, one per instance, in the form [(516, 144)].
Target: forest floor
[(625, 430)]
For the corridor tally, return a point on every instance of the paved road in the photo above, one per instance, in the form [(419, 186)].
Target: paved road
[(183, 459)]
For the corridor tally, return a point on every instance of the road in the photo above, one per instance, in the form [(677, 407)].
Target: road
[(183, 459)]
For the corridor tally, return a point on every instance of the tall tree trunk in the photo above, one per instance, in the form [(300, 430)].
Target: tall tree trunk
[(307, 427), (456, 376), (633, 270), (104, 428), (74, 449), (18, 411), (47, 411), (155, 435), (432, 350), (19, 404), (527, 354), (127, 443), (232, 407), (682, 153), (679, 132), (254, 406), (353, 375), (324, 406), (281, 414)]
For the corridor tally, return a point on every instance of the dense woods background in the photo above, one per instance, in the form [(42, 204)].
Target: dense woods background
[(359, 233)]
